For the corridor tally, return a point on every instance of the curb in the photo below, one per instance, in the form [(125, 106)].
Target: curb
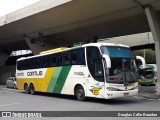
[(152, 96)]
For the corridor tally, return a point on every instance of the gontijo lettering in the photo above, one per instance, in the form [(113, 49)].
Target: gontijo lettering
[(35, 73)]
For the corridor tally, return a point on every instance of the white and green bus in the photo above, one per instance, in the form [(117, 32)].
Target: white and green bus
[(99, 70)]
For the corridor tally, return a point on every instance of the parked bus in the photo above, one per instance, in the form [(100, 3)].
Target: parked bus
[(148, 75), (100, 70)]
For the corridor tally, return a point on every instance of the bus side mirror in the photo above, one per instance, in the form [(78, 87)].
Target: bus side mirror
[(142, 60), (107, 59)]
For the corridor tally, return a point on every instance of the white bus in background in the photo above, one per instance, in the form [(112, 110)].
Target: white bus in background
[(99, 70)]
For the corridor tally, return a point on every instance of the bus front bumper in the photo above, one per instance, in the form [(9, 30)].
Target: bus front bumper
[(147, 82), (117, 94)]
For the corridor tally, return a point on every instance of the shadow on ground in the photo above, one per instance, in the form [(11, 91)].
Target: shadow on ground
[(116, 101)]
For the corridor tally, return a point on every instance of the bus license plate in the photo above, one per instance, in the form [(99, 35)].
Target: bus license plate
[(126, 94)]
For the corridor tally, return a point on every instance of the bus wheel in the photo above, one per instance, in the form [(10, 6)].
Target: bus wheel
[(32, 89), (26, 88), (79, 93)]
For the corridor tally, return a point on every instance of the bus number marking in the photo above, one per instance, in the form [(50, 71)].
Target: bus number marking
[(20, 74)]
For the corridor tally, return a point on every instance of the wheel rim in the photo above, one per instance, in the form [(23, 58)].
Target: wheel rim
[(32, 89), (80, 93), (26, 89)]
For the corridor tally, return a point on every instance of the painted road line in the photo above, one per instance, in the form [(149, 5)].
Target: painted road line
[(9, 104)]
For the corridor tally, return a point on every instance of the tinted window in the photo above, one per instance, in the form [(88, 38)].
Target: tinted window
[(73, 57), (53, 60), (66, 58), (95, 63), (116, 51), (78, 57), (59, 59), (81, 57)]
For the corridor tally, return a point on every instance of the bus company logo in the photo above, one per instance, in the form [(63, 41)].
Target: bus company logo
[(95, 90)]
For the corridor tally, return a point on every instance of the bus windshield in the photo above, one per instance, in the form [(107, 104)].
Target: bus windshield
[(147, 73), (123, 68), (117, 51)]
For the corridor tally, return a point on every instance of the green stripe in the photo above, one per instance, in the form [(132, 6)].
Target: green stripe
[(61, 79), (54, 78)]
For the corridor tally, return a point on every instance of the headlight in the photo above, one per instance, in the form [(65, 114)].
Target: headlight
[(136, 87), (112, 89)]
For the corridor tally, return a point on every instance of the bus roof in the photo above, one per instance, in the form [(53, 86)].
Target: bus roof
[(57, 50), (104, 44)]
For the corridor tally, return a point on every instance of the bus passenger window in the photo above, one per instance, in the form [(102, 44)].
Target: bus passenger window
[(53, 61), (66, 58), (74, 57), (43, 62), (81, 58), (78, 57), (37, 62), (47, 63), (32, 63), (59, 60)]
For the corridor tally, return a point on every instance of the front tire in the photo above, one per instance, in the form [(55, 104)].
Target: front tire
[(79, 93)]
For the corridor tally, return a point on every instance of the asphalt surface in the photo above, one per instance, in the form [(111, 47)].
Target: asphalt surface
[(147, 89), (16, 100)]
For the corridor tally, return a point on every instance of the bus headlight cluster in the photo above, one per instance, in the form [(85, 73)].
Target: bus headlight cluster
[(136, 87), (112, 89)]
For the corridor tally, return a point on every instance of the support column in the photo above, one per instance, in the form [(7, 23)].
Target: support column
[(154, 23), (3, 58), (5, 71), (36, 47)]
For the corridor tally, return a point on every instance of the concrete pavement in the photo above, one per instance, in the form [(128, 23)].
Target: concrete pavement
[(16, 100), (148, 92), (149, 95)]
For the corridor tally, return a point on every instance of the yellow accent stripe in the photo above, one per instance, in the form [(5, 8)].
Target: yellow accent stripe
[(47, 79), (54, 50), (41, 84)]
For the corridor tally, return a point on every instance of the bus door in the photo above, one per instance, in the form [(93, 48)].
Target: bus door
[(95, 82)]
